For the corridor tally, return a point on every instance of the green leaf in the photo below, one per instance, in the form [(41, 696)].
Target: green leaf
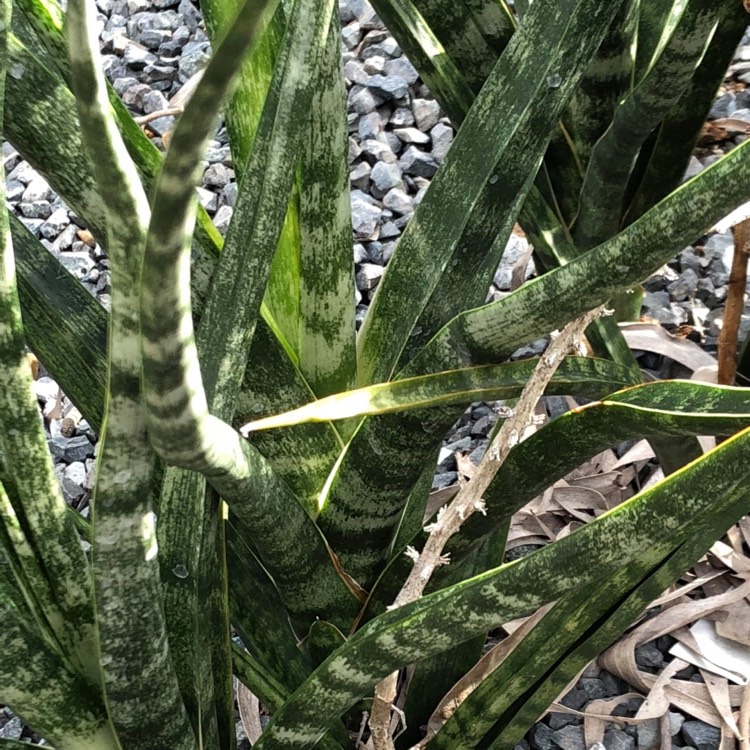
[(327, 354), (439, 72), (647, 528), (44, 539), (485, 383), (143, 696), (63, 323), (371, 497), (682, 126), (531, 107), (652, 410), (453, 23), (73, 712), (603, 192), (600, 626), (494, 331), (589, 113)]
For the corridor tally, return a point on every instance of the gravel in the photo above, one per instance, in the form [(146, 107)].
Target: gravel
[(398, 137)]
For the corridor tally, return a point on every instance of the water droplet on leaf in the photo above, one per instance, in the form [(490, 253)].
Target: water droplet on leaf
[(16, 71), (180, 571), (494, 179), (554, 81)]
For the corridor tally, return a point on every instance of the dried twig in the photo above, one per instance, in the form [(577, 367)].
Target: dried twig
[(735, 305), (469, 501), (171, 112)]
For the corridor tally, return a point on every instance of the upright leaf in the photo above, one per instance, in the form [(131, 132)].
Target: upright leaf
[(327, 355), (143, 699)]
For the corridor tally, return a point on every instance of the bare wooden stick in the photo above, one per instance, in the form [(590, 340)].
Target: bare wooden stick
[(171, 112), (468, 501), (730, 327)]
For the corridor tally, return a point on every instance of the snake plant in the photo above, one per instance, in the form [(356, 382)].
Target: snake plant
[(274, 553)]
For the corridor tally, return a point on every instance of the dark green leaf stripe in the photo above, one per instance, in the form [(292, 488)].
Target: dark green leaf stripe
[(327, 355), (301, 456), (656, 20), (495, 20), (633, 531), (357, 519), (669, 408), (485, 383), (588, 114), (143, 697), (173, 384), (242, 116), (181, 427), (531, 107), (613, 157)]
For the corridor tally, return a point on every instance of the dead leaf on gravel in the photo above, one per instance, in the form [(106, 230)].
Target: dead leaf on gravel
[(651, 337), (665, 689)]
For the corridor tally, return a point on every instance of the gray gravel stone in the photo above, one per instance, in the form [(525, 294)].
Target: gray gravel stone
[(700, 735), (417, 163), (558, 720), (685, 286), (365, 219), (217, 175), (616, 739), (648, 735), (12, 729), (192, 61), (208, 199), (540, 738), (363, 100), (351, 34), (402, 68), (398, 201), (138, 57), (374, 65), (389, 86), (77, 448), (360, 175), (649, 656), (570, 738), (402, 117), (13, 191), (378, 151), (514, 250), (79, 264), (35, 210), (412, 135), (368, 276), (369, 126), (222, 218), (386, 176), (56, 223), (426, 113), (37, 190), (73, 478)]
